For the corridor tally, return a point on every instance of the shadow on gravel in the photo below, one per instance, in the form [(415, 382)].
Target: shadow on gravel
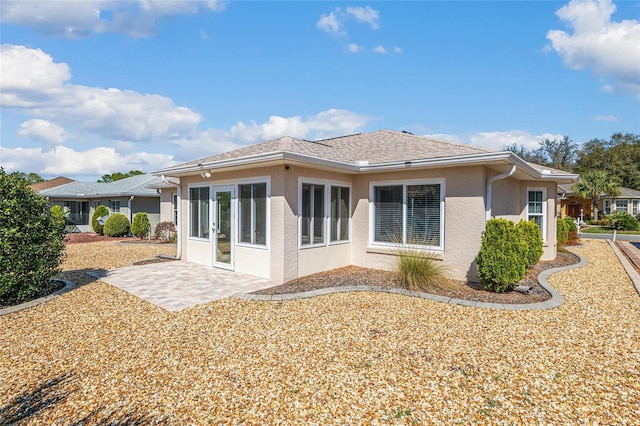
[(53, 391)]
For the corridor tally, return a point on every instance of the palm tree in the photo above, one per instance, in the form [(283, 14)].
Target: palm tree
[(593, 185)]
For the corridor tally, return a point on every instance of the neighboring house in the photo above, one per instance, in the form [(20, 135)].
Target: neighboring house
[(573, 206), (290, 207), (51, 183), (127, 196)]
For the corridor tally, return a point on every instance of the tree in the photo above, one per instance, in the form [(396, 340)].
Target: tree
[(559, 154), (118, 176), (30, 178), (619, 156), (31, 241), (595, 183)]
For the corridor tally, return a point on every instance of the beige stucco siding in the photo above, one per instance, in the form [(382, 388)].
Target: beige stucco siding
[(463, 217)]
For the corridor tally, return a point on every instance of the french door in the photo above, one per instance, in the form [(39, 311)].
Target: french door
[(223, 227)]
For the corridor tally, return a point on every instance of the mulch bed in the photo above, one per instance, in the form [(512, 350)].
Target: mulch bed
[(90, 237), (351, 275)]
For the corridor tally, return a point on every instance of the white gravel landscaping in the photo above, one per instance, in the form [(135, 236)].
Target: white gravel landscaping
[(98, 354)]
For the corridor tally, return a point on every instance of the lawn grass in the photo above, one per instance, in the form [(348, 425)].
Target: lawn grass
[(605, 230)]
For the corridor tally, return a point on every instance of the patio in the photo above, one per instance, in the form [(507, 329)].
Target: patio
[(99, 354)]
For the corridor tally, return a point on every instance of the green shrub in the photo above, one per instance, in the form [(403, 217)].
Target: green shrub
[(59, 217), (100, 211), (166, 231), (502, 260), (419, 270), (562, 232), (31, 242), (623, 221), (529, 232), (117, 225), (572, 230), (140, 226)]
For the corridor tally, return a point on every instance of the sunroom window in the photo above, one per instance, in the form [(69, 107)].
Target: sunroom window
[(253, 213), (199, 206)]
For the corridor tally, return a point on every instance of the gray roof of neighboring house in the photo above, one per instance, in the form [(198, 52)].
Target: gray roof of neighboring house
[(134, 185), (624, 192)]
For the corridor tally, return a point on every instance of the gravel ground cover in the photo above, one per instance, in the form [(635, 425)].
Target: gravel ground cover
[(98, 355)]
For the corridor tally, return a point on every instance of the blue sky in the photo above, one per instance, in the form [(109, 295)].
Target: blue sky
[(94, 87)]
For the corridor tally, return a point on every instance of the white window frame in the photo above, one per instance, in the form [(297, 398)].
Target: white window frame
[(404, 184), (635, 209), (249, 181), (189, 225), (174, 208), (606, 207), (340, 219), (326, 216), (626, 207), (544, 210)]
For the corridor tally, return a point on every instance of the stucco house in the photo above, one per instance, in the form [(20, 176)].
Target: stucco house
[(579, 208), (290, 207), (127, 196)]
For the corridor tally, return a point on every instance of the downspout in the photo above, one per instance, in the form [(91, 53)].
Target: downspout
[(490, 183), (130, 209), (178, 225)]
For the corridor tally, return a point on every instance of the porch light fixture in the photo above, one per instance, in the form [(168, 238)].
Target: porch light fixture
[(206, 175)]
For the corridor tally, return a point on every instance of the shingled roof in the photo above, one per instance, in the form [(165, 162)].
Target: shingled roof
[(134, 185), (377, 147)]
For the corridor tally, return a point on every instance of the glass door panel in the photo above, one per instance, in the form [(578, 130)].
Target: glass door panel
[(223, 228)]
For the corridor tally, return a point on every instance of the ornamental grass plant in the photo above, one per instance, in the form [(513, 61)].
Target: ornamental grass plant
[(418, 269)]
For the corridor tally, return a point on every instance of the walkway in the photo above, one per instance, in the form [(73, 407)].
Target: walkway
[(176, 285)]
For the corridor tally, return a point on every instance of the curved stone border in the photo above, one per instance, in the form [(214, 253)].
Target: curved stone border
[(68, 286), (633, 275), (555, 301)]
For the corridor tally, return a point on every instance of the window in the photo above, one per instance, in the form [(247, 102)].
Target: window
[(324, 204), (174, 204), (199, 204), (78, 212), (312, 214), (622, 205), (635, 209), (536, 204), (409, 214), (253, 213), (114, 206), (606, 206), (340, 210)]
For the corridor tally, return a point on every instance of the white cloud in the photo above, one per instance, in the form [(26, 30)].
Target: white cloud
[(330, 23), (608, 118), (325, 124), (64, 161), (397, 49), (365, 14), (51, 134), (380, 49), (74, 19), (108, 113), (354, 48), (496, 140), (607, 48), (444, 137)]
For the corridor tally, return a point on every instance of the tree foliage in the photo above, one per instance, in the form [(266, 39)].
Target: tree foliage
[(593, 185), (30, 178), (619, 156), (119, 175), (31, 241), (558, 154)]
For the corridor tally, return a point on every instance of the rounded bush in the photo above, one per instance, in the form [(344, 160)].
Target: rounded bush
[(166, 231), (100, 211), (31, 242), (140, 226), (117, 225), (530, 233), (60, 218), (502, 260), (623, 221)]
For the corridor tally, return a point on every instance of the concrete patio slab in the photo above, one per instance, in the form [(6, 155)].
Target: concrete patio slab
[(176, 285)]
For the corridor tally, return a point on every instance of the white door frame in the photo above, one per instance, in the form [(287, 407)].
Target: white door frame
[(215, 227)]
